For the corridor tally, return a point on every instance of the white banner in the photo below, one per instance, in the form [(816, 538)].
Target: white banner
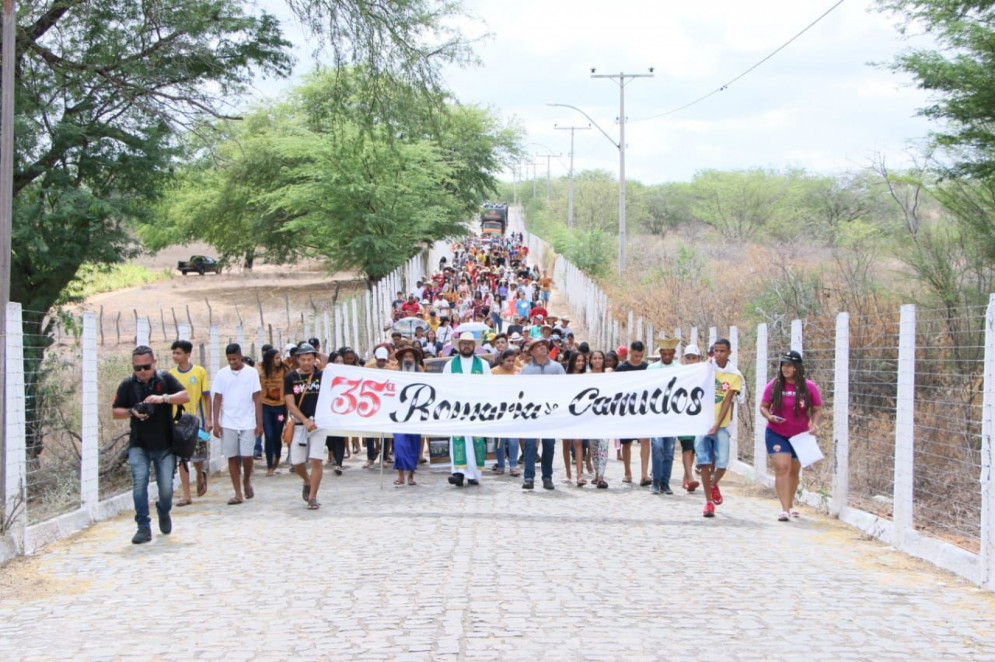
[(649, 403)]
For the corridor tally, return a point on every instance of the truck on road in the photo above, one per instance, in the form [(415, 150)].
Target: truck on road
[(494, 219), (200, 264)]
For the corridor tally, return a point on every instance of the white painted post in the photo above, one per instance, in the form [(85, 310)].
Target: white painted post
[(628, 329), (261, 340), (680, 344), (651, 339), (213, 357), (355, 323), (841, 417), (639, 329), (734, 422), (346, 336), (143, 331), (987, 422), (796, 336), (713, 335), (368, 307), (694, 339), (327, 338), (183, 331), (240, 337), (90, 428), (15, 463), (904, 426), (339, 340), (760, 427)]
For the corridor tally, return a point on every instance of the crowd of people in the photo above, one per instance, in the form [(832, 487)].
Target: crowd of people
[(484, 312)]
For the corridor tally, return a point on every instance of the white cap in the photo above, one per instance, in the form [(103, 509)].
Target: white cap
[(692, 350), (381, 353)]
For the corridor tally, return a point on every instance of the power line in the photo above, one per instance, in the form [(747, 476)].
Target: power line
[(724, 86)]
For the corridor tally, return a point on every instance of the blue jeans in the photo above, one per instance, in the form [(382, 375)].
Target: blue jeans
[(498, 320), (548, 450), (663, 460), (273, 418), (141, 462), (509, 447)]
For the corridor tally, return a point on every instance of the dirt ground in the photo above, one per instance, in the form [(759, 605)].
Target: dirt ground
[(266, 295)]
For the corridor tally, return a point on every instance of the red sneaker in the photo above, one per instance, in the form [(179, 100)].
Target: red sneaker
[(690, 485), (716, 495), (709, 510)]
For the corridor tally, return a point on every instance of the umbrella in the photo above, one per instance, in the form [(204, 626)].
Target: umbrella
[(406, 325), (476, 328)]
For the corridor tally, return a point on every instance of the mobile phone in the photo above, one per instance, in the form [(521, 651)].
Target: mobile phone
[(777, 419)]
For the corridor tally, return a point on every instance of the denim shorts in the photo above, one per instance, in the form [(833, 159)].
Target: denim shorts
[(713, 449), (778, 444)]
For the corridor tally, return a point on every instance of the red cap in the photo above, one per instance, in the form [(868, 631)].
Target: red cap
[(622, 351)]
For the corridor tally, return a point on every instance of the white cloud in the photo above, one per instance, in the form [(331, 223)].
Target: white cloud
[(817, 104)]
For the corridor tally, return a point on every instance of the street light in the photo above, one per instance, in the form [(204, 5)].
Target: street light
[(621, 79)]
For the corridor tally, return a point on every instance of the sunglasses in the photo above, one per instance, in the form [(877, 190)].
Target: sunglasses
[(139, 368)]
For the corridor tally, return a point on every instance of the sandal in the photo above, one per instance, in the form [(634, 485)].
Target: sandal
[(305, 491), (249, 492), (627, 479), (398, 483), (202, 483), (581, 482), (338, 471), (515, 473), (313, 504), (794, 513), (602, 485), (411, 481), (183, 502), (783, 517), (499, 472), (645, 482), (234, 501)]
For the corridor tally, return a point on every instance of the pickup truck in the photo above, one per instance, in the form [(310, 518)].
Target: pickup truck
[(200, 264)]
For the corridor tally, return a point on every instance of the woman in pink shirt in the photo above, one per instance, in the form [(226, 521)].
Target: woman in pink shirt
[(792, 405)]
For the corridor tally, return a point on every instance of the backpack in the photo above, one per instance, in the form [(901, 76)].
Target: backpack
[(186, 432), (185, 427)]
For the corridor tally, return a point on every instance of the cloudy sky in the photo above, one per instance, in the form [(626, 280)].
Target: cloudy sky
[(819, 104)]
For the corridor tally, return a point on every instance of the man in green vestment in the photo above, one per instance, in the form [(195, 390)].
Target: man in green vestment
[(466, 453)]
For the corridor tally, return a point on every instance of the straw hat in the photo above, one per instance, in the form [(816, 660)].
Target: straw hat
[(667, 343)]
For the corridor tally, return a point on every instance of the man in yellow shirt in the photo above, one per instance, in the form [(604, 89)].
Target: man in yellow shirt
[(712, 450), (196, 381)]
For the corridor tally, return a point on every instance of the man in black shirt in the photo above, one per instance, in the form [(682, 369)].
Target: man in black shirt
[(308, 445), (147, 398), (635, 362)]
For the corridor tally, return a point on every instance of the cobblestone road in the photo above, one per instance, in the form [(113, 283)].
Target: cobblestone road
[(432, 572)]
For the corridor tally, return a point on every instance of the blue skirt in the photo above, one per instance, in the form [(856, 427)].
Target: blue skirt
[(407, 448)]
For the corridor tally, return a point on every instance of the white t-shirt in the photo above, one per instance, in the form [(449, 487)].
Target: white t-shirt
[(238, 410)]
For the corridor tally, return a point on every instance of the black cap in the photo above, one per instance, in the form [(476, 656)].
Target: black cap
[(791, 357)]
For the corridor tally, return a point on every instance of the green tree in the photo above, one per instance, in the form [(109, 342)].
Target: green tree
[(309, 177), (741, 205), (959, 74)]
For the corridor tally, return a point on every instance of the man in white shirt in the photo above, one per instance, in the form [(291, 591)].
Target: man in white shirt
[(238, 419)]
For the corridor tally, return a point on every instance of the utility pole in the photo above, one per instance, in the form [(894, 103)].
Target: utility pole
[(570, 179), (621, 79), (547, 157), (6, 214)]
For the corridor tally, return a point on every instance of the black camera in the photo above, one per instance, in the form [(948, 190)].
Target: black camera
[(145, 408)]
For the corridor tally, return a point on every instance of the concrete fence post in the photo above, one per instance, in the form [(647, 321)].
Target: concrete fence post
[(183, 331), (354, 317), (841, 417), (347, 337), (143, 331), (796, 336), (213, 357), (368, 307), (987, 421), (15, 462), (90, 428), (760, 427), (904, 426), (240, 337)]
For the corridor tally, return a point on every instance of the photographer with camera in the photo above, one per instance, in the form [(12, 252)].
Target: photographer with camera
[(147, 399)]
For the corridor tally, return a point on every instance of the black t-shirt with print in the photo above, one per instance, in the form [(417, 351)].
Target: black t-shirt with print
[(294, 383), (626, 366), (156, 432)]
